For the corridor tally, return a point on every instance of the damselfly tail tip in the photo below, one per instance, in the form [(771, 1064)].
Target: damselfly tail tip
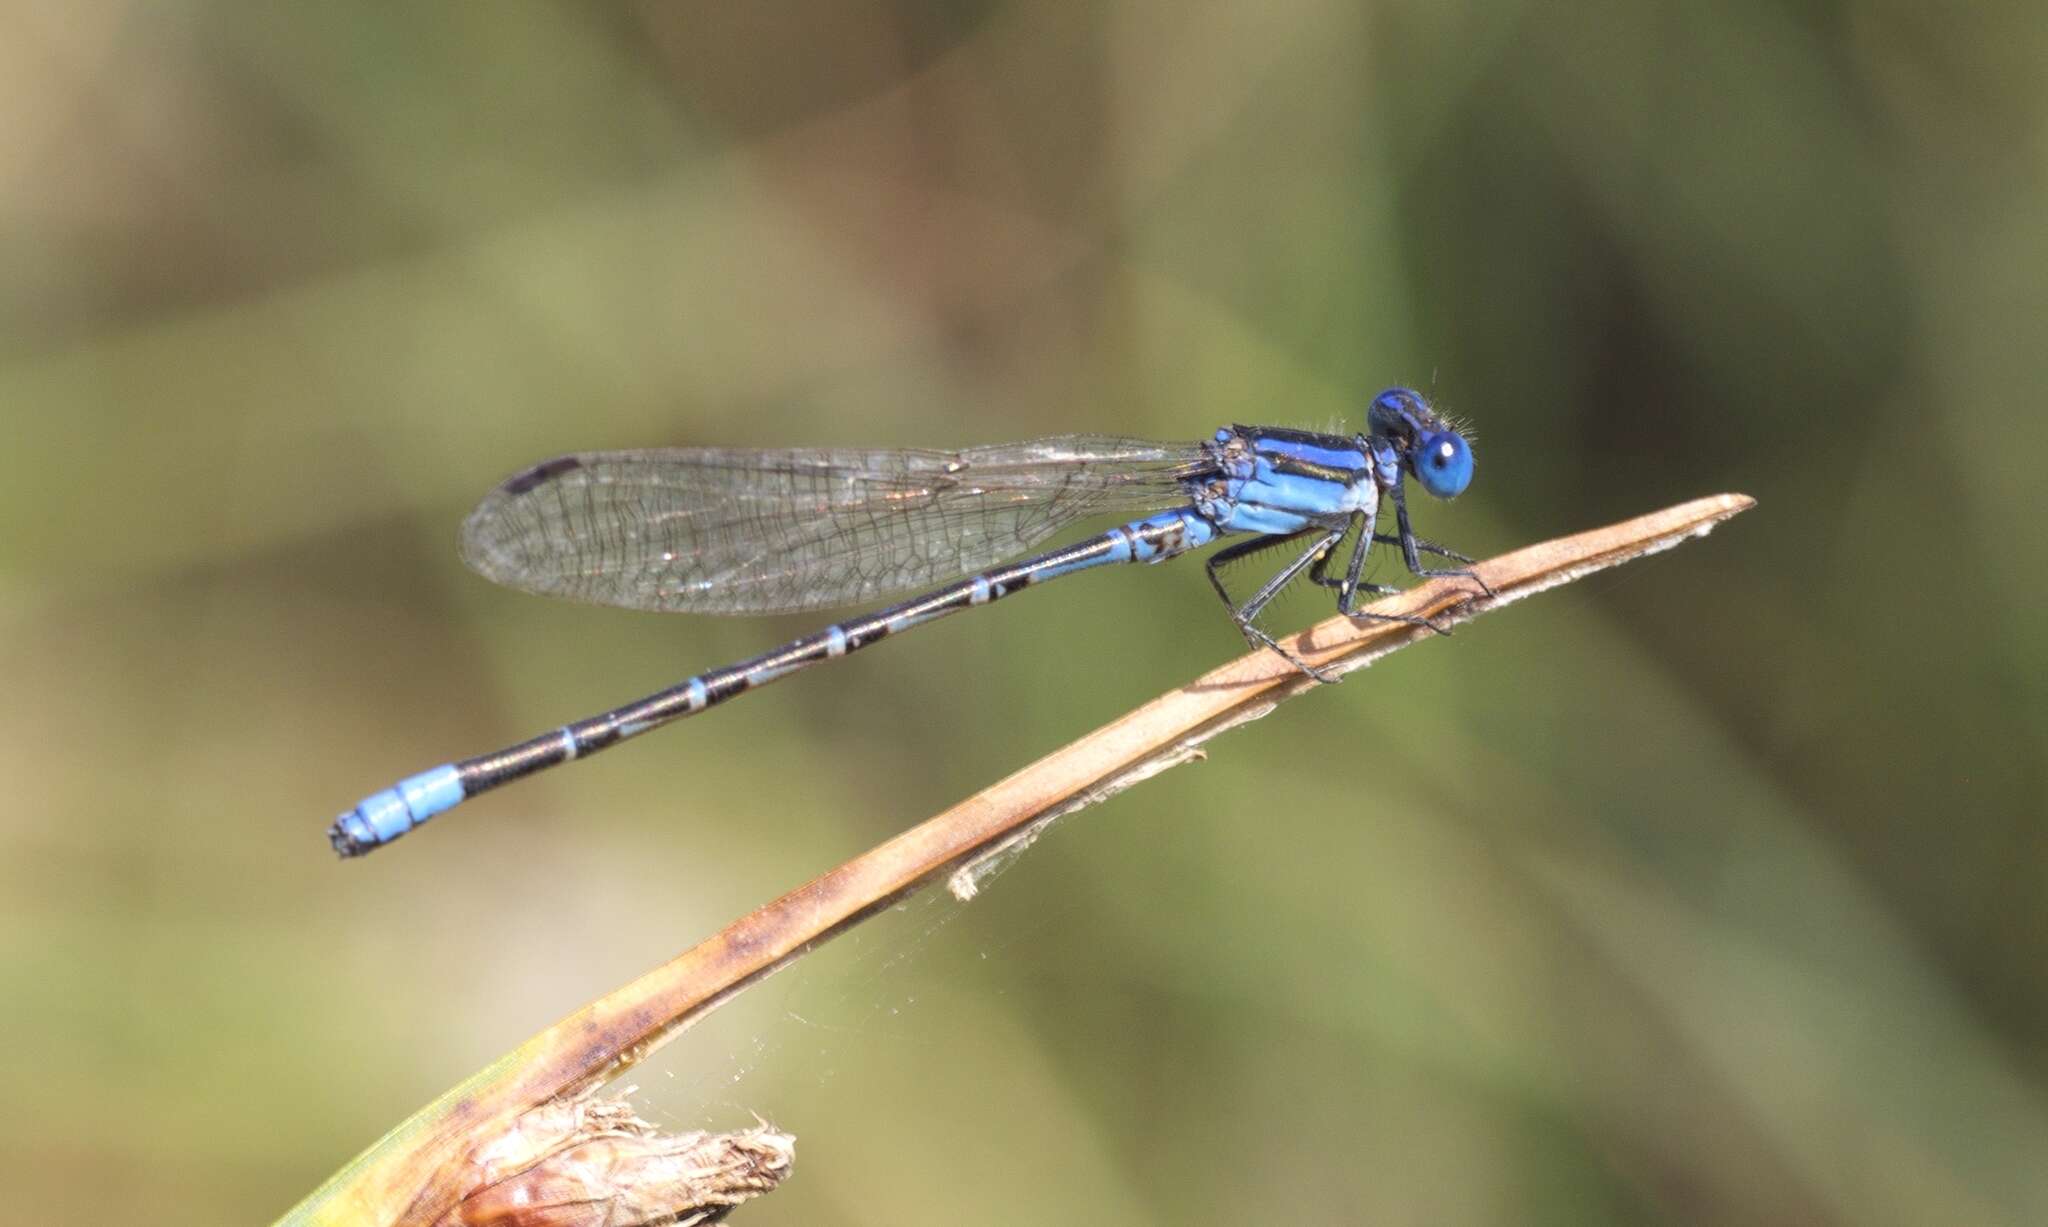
[(350, 836), (345, 844), (384, 816)]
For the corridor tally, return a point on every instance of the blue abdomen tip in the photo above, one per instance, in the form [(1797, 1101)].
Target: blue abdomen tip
[(384, 816)]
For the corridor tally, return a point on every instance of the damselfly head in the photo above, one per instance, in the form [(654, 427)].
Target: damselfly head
[(1433, 449)]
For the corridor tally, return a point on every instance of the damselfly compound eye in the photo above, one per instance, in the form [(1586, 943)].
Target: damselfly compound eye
[(1443, 464)]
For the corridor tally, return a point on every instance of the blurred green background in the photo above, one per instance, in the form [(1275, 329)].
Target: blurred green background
[(1705, 892)]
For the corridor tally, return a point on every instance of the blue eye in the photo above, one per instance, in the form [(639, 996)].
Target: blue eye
[(1442, 463)]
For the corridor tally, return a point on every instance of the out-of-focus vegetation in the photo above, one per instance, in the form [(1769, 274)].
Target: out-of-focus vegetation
[(1710, 892)]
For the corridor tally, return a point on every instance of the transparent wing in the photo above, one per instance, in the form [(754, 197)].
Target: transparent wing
[(732, 531)]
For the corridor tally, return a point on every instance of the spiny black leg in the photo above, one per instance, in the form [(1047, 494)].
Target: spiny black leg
[(1410, 549), (1354, 583), (1354, 575), (1426, 547), (1319, 574), (1271, 588), (1348, 588), (1243, 615), (1368, 588), (1243, 549)]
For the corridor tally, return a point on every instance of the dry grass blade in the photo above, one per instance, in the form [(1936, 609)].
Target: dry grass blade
[(417, 1172)]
